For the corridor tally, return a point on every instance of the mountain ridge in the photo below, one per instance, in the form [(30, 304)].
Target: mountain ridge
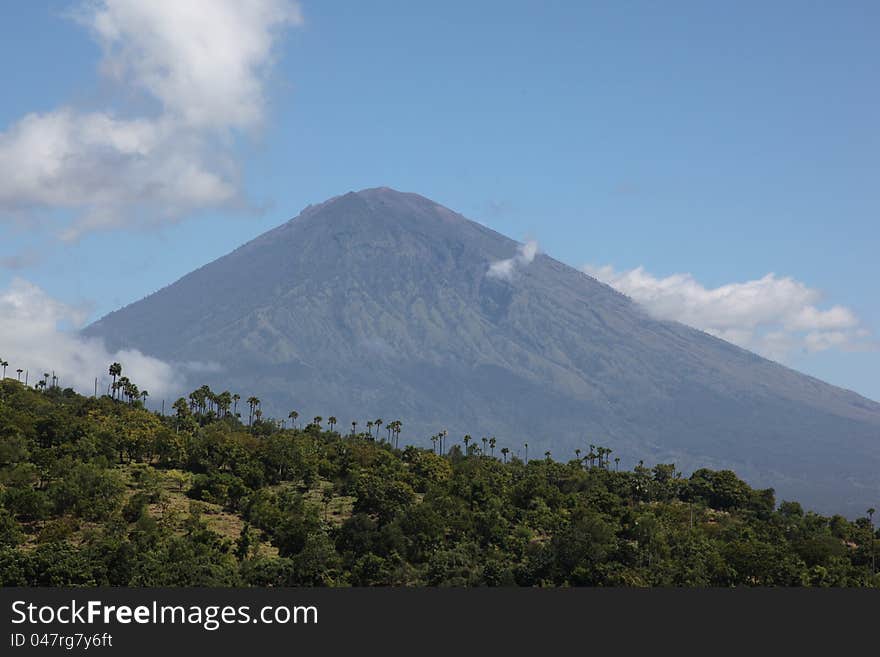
[(379, 303)]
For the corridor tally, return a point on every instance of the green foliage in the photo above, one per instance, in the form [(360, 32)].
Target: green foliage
[(100, 492)]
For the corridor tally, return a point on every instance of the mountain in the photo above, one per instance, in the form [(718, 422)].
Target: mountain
[(379, 304)]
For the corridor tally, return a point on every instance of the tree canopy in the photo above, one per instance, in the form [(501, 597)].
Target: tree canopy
[(99, 491)]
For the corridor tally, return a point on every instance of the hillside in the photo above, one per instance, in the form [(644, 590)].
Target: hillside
[(98, 492), (379, 302)]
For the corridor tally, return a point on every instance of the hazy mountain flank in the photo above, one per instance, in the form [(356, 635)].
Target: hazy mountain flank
[(378, 304)]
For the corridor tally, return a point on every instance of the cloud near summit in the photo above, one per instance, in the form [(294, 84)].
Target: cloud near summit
[(198, 69), (505, 269), (773, 316)]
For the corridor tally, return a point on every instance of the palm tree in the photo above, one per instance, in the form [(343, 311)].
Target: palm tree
[(115, 370), (370, 428), (124, 384), (442, 437), (144, 395), (577, 453), (378, 424), (547, 455), (252, 403), (224, 401), (492, 446), (293, 415), (317, 421), (617, 463), (467, 439), (235, 399), (434, 441), (354, 424), (504, 453), (526, 445), (4, 365), (331, 421), (19, 371)]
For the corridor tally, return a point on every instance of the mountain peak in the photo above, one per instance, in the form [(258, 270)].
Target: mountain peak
[(379, 207)]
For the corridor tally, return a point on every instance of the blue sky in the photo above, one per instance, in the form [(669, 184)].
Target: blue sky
[(721, 141)]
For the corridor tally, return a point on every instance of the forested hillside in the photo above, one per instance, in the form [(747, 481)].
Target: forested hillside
[(99, 491)]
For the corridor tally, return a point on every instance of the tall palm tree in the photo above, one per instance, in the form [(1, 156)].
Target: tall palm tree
[(4, 364), (115, 370), (504, 453), (354, 424), (492, 446), (617, 463), (547, 455), (378, 424), (331, 421), (224, 401), (252, 403), (467, 439), (19, 371), (526, 445), (434, 441), (317, 421), (144, 395), (293, 415), (370, 428), (235, 399), (485, 442)]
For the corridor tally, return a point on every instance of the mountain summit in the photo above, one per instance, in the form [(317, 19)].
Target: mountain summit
[(382, 304)]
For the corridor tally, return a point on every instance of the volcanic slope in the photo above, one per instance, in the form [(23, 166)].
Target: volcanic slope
[(379, 304)]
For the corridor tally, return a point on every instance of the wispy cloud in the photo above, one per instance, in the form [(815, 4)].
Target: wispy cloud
[(200, 68), (505, 269), (774, 316)]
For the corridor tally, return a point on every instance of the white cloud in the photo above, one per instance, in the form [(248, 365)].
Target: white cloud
[(203, 60), (504, 269), (772, 315), (37, 334), (202, 64)]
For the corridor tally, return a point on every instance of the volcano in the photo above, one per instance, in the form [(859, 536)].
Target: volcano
[(386, 304)]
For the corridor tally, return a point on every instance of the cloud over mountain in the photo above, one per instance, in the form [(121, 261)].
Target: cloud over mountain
[(505, 268), (774, 316)]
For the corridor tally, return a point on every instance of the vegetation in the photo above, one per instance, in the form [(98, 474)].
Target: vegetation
[(99, 491)]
